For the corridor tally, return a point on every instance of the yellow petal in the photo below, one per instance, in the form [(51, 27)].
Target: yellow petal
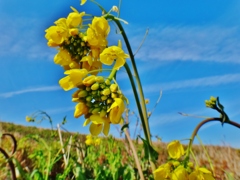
[(86, 122), (95, 129), (106, 128)]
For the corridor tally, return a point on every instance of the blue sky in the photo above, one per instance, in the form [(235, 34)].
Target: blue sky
[(192, 52)]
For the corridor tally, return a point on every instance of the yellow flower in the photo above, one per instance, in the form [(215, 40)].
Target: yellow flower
[(99, 124), (74, 19), (80, 109), (180, 173), (90, 64), (97, 141), (175, 149), (55, 35), (83, 2), (116, 110), (64, 59), (29, 119), (89, 140), (112, 53), (97, 32), (73, 79), (163, 172), (201, 174)]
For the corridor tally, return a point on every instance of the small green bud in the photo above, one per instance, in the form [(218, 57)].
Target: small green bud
[(114, 87), (114, 95), (96, 110), (82, 93), (109, 100), (102, 86), (88, 104), (89, 98), (104, 98), (102, 113), (107, 82), (88, 88), (95, 86), (94, 92), (99, 79), (96, 105), (106, 92)]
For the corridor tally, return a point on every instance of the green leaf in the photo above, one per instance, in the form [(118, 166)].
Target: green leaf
[(150, 153)]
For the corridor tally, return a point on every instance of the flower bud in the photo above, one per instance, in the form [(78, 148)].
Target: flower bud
[(107, 82), (96, 110), (88, 98), (109, 100), (99, 79), (103, 113), (102, 86), (114, 87), (88, 88), (88, 81), (103, 98), (95, 86), (82, 93), (114, 95), (106, 92)]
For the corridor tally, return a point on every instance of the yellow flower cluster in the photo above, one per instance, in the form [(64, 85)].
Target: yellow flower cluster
[(81, 47), (82, 50), (177, 170), (91, 140)]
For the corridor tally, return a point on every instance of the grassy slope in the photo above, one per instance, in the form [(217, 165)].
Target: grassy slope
[(224, 159)]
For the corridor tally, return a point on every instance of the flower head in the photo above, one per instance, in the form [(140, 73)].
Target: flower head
[(112, 53), (175, 149), (201, 174), (73, 79), (116, 110), (163, 172)]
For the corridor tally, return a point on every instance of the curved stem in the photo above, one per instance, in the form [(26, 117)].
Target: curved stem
[(143, 111), (11, 165), (201, 124)]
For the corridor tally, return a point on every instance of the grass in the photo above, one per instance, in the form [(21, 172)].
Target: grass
[(111, 159)]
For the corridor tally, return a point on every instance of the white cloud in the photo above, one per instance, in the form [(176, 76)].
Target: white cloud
[(190, 83), (195, 43), (24, 38), (38, 89)]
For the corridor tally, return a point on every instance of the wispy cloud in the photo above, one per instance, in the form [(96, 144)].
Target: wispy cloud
[(37, 89), (24, 38), (191, 83), (195, 43)]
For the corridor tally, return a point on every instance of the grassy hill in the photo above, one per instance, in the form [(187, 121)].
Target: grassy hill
[(224, 160)]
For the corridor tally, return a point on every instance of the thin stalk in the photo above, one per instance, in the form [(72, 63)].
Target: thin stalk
[(137, 100), (134, 154), (61, 142), (143, 112)]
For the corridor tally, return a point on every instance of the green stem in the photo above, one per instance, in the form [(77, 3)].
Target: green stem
[(200, 125), (112, 74), (143, 111), (136, 98)]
